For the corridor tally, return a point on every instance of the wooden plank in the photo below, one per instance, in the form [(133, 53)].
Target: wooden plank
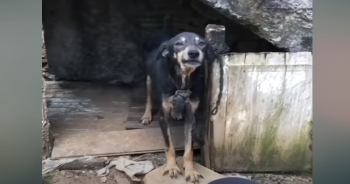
[(96, 124), (114, 143), (79, 106), (235, 89), (218, 121), (141, 102), (80, 164), (137, 117), (135, 123), (130, 125), (268, 113)]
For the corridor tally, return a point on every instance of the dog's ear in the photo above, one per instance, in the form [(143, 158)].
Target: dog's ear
[(163, 49), (209, 54)]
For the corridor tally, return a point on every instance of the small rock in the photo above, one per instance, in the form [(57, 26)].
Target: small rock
[(279, 177), (273, 178), (77, 172), (69, 175), (91, 172), (258, 181), (63, 172), (76, 177), (98, 117), (121, 180), (103, 179)]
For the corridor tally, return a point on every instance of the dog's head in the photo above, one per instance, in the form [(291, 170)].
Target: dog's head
[(188, 50)]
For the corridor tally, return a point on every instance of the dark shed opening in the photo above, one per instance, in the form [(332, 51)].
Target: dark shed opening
[(100, 42)]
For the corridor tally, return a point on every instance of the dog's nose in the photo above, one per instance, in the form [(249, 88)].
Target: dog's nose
[(193, 54)]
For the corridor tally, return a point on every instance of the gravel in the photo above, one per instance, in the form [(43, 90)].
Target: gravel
[(274, 178)]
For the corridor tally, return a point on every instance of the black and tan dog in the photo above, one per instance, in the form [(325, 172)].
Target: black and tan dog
[(176, 66)]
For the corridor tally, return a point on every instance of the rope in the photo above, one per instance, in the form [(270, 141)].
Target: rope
[(215, 109), (221, 50), (179, 101)]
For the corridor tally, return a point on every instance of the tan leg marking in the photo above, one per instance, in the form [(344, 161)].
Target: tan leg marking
[(147, 116), (190, 173), (171, 167), (194, 104), (167, 105)]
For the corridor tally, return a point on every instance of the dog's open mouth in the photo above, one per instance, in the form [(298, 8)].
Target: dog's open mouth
[(191, 62)]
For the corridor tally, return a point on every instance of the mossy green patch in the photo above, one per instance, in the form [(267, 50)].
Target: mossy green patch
[(46, 179), (269, 150), (300, 157)]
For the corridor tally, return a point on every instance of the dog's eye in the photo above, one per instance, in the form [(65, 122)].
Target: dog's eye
[(201, 43), (178, 43)]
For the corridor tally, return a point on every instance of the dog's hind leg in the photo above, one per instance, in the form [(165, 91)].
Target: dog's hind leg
[(147, 116), (171, 167), (190, 173)]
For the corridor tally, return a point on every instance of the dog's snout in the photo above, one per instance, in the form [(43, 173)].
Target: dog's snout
[(193, 54)]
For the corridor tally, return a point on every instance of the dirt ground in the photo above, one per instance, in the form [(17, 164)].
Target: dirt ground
[(116, 177), (87, 177)]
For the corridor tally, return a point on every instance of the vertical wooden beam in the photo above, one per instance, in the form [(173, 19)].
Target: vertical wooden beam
[(47, 136), (215, 35)]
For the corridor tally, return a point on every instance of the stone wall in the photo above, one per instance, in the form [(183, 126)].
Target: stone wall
[(284, 23)]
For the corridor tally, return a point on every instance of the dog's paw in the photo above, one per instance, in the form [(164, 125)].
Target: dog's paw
[(145, 120), (173, 170), (192, 175), (176, 116)]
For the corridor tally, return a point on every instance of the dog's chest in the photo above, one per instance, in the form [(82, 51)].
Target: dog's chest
[(182, 82), (184, 78)]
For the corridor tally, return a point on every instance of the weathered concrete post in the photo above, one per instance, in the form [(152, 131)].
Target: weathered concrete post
[(215, 34)]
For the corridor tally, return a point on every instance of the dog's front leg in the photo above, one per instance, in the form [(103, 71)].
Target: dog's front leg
[(190, 173), (171, 166)]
